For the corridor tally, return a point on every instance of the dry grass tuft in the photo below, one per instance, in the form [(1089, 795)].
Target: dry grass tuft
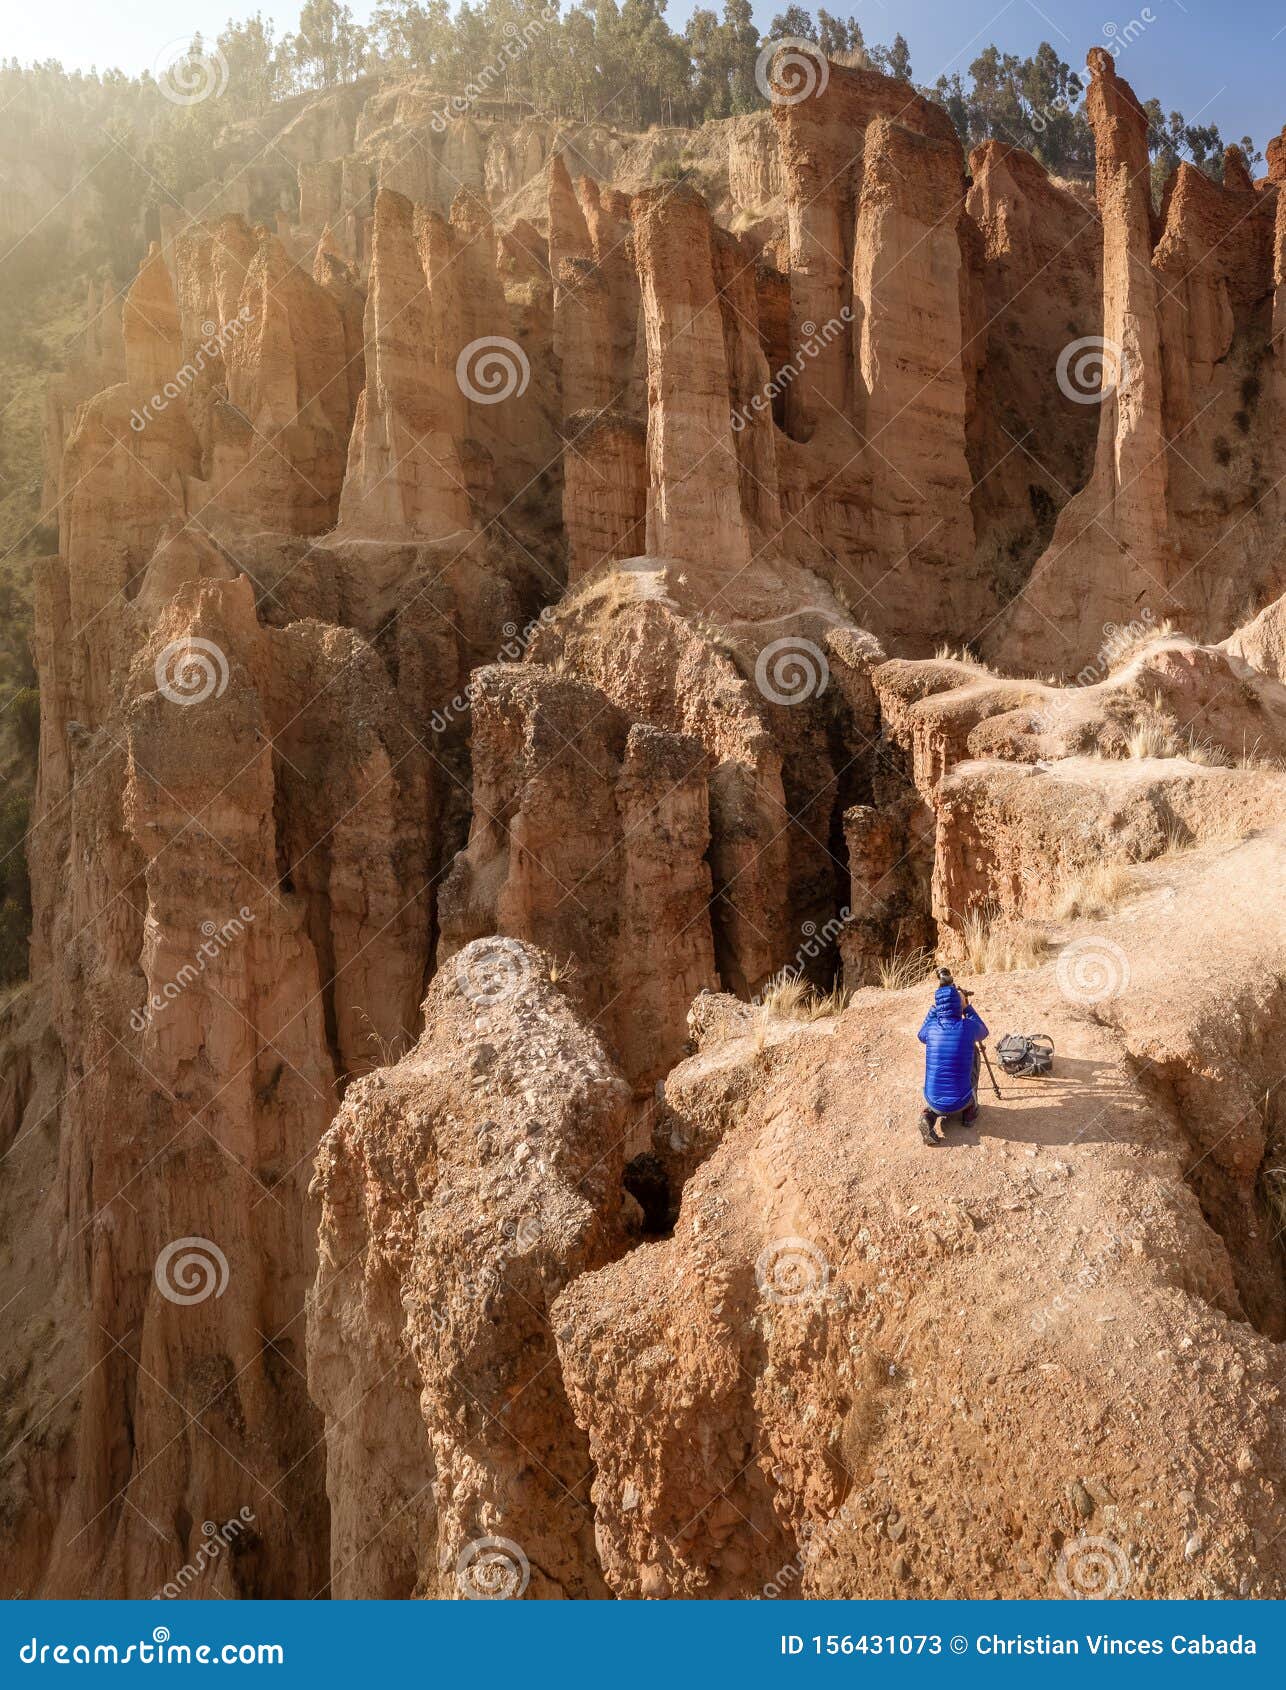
[(1177, 837), (904, 969), (390, 1051), (1094, 892), (1253, 758), (947, 653), (994, 946), (784, 995), (1131, 641), (1207, 755), (1154, 733), (825, 1004), (793, 999), (1151, 737)]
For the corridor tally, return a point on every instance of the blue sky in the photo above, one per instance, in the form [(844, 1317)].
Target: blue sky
[(1221, 61)]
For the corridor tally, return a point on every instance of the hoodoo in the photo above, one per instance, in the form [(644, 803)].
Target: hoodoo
[(549, 635)]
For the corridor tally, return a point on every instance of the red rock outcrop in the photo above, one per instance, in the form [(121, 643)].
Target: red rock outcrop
[(405, 475), (823, 138), (589, 839), (463, 588), (459, 1192), (604, 490), (765, 1391), (1175, 516), (694, 510)]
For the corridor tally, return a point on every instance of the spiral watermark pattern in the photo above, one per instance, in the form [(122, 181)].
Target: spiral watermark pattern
[(791, 1270), (492, 971), (528, 1232), (1091, 1569), (185, 77), (190, 1270), (191, 670), (1090, 370), (1092, 970), (492, 369), (791, 670), (803, 70), (492, 1569)]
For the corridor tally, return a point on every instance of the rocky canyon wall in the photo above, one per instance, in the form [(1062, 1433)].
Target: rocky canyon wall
[(487, 679)]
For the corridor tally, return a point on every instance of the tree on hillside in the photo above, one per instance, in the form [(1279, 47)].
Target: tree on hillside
[(837, 35), (328, 48), (703, 40), (121, 184), (742, 45), (256, 74), (413, 33), (618, 61), (894, 60), (1033, 103), (794, 22)]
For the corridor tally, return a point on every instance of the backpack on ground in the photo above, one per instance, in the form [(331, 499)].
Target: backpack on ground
[(1026, 1055)]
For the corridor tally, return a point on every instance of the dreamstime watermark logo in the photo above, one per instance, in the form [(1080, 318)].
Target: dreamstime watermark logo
[(1041, 119), (1087, 1276), (791, 670), (480, 1285), (191, 1270), (216, 337), (1090, 369), (801, 70), (815, 341), (517, 42), (816, 1541), (514, 646), (791, 1270), (1118, 36), (1092, 970), (491, 972), (189, 71), (191, 670), (816, 940), (492, 1569), (492, 369), (157, 1650), (1092, 1569), (1120, 641), (218, 936), (218, 1538)]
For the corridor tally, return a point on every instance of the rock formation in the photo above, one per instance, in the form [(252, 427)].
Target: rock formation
[(458, 1195), (535, 622)]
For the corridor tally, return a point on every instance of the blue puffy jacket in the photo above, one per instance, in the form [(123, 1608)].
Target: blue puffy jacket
[(949, 1034)]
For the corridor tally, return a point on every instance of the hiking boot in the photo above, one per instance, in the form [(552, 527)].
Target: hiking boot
[(969, 1116), (928, 1121)]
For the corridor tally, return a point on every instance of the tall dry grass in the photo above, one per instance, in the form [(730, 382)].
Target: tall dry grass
[(1093, 892), (792, 998), (906, 968), (992, 945)]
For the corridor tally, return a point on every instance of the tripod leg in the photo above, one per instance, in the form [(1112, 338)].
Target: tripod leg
[(990, 1072)]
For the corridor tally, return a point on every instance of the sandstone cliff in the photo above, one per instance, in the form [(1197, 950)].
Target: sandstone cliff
[(490, 696)]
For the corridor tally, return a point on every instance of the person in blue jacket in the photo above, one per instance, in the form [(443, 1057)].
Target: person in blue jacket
[(951, 1034)]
